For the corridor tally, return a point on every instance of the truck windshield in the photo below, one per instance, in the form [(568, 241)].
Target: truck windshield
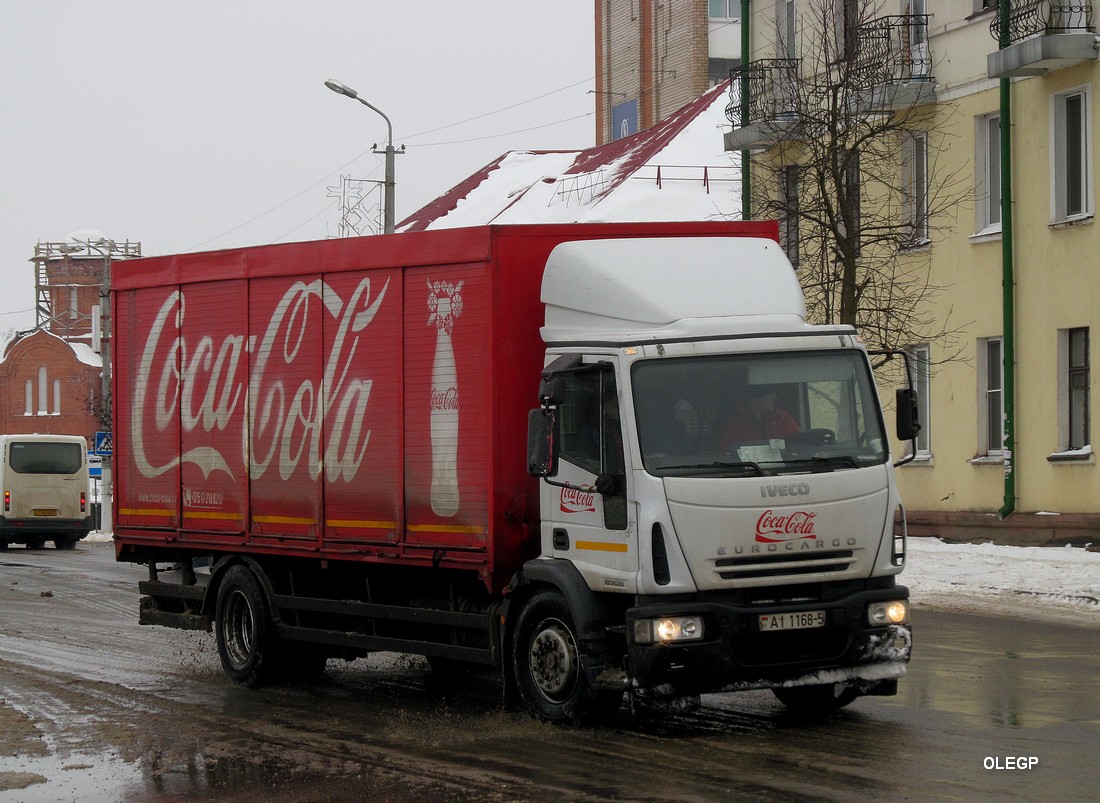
[(751, 415), (41, 457)]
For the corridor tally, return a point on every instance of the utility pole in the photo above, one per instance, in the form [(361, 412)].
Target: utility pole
[(390, 152)]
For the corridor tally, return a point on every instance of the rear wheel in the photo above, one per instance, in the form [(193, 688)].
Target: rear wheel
[(817, 699), (64, 543), (546, 660), (247, 642)]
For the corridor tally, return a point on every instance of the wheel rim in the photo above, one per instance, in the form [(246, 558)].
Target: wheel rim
[(553, 660), (239, 629)]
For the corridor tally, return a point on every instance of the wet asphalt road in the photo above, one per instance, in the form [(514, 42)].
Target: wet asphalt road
[(95, 707)]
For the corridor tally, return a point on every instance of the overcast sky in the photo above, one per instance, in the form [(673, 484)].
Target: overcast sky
[(206, 124)]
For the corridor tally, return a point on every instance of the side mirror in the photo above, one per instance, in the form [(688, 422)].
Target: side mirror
[(542, 442), (908, 424)]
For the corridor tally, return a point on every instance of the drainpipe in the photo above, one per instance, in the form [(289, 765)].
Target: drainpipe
[(1008, 281), (746, 174)]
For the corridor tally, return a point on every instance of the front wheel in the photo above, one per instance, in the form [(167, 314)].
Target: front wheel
[(546, 660), (247, 642), (817, 699)]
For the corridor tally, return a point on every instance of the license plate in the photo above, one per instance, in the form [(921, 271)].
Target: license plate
[(792, 621), (44, 511)]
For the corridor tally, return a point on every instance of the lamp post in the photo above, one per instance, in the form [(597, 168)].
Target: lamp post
[(343, 89)]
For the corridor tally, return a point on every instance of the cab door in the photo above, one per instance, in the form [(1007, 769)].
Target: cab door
[(585, 505)]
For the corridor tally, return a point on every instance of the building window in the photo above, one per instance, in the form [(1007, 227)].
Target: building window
[(915, 169), (1077, 388), (987, 158), (852, 198), (788, 224), (1072, 186), (920, 363), (725, 9), (785, 20), (991, 392), (41, 405)]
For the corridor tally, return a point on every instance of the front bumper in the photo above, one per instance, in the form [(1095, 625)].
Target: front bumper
[(735, 654)]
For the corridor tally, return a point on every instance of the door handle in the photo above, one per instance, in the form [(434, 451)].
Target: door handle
[(561, 539)]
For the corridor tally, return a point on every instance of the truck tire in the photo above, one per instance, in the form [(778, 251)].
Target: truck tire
[(817, 699), (546, 661), (247, 642)]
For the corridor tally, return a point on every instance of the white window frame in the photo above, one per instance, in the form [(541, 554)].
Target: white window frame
[(790, 223), (729, 5), (987, 176), (986, 366), (1067, 371), (786, 17), (920, 357), (915, 173), (1071, 193)]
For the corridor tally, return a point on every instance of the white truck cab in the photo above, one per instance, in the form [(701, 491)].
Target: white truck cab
[(717, 472)]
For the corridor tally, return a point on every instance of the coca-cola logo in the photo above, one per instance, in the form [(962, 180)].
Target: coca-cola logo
[(574, 500), (773, 527), (445, 399), (285, 423)]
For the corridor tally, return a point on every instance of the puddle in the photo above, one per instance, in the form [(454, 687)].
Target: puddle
[(79, 776)]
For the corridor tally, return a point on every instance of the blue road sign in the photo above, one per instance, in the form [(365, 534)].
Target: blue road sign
[(103, 443)]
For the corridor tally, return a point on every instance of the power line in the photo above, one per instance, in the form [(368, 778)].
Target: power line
[(498, 111), (504, 134), (413, 136)]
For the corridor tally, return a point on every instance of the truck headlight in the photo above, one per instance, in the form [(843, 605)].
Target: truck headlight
[(668, 629), (890, 612)]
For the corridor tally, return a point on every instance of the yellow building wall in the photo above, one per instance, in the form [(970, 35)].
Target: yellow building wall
[(1056, 288), (1057, 281)]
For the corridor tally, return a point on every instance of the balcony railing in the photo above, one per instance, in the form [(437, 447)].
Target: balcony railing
[(894, 49), (1026, 18), (772, 91)]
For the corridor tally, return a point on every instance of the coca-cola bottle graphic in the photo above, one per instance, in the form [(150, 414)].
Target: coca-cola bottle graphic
[(444, 306)]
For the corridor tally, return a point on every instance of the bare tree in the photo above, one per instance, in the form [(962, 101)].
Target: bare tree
[(854, 176)]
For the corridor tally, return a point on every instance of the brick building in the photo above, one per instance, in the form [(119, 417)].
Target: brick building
[(655, 56), (51, 378)]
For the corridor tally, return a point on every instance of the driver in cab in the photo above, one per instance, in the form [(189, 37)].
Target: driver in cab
[(758, 416)]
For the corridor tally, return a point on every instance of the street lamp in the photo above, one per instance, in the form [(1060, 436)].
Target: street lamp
[(343, 89)]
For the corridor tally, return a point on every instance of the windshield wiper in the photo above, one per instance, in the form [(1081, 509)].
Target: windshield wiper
[(721, 464), (821, 464)]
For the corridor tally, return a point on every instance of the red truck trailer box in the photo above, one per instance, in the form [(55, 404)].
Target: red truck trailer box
[(357, 399)]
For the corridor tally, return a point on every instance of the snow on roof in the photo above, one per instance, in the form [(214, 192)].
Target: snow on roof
[(86, 354), (82, 351), (675, 170)]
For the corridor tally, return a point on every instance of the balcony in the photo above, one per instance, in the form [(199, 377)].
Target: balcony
[(768, 109), (893, 62), (1042, 36)]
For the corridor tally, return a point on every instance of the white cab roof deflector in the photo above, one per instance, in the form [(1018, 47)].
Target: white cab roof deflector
[(660, 288)]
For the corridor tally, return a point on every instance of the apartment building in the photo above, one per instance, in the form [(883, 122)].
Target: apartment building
[(655, 56), (1012, 283)]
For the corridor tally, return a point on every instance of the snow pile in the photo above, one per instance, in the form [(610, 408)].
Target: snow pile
[(1032, 582)]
